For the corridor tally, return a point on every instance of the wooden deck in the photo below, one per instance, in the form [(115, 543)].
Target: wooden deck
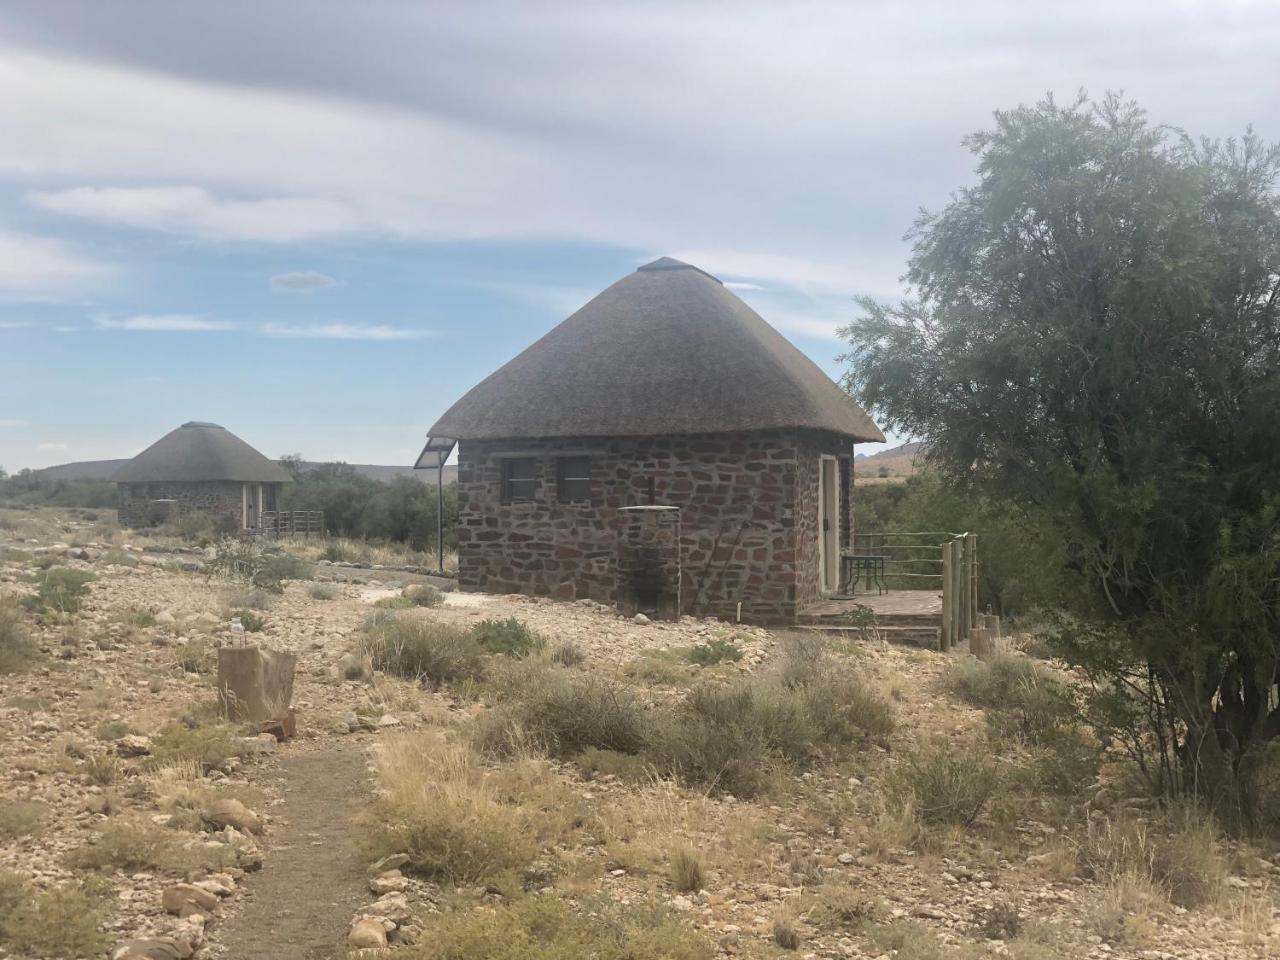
[(903, 616)]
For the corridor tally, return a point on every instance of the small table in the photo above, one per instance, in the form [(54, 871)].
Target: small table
[(866, 565)]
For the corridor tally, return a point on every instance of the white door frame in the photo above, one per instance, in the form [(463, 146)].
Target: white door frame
[(828, 527)]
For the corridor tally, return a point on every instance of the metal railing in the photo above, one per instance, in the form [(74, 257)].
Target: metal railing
[(931, 560)]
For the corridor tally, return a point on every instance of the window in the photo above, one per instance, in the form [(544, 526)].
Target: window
[(573, 478), (519, 478)]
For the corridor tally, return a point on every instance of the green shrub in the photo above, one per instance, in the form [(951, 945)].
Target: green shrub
[(394, 603), (59, 922), (63, 589), (246, 560), (322, 591), (424, 650), (627, 767), (544, 927), (944, 783), (562, 713), (110, 730), (424, 595), (130, 847), (509, 637), (17, 652), (714, 651), (208, 744), (140, 618), (252, 622)]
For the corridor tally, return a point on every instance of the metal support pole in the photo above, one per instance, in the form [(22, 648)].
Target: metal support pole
[(440, 516)]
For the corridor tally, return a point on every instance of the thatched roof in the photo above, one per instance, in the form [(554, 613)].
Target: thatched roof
[(665, 350), (200, 451)]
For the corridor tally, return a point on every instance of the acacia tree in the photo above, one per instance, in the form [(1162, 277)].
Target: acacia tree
[(1092, 337)]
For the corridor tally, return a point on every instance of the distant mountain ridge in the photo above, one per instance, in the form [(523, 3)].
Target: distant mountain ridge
[(103, 470)]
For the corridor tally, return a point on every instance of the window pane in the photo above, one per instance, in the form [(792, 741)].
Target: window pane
[(573, 480), (519, 478)]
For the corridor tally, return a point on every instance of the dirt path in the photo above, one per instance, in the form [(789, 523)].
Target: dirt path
[(312, 881)]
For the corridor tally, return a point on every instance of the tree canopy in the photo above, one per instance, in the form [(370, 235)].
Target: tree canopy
[(1092, 337)]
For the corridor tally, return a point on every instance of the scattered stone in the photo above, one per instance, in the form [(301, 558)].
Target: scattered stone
[(367, 934), (133, 745), (158, 948), (641, 618), (393, 907), (180, 895), (389, 863), (389, 882), (229, 812)]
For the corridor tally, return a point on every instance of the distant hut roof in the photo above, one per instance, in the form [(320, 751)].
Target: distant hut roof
[(200, 451), (665, 350)]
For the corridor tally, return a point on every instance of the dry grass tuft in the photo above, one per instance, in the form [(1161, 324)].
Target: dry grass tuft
[(17, 652), (58, 922), (686, 870), (457, 820)]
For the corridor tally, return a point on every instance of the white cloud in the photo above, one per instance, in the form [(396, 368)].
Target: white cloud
[(10, 422), (14, 324), (51, 445), (302, 281), (165, 322), (39, 268), (342, 331), (195, 212), (739, 285)]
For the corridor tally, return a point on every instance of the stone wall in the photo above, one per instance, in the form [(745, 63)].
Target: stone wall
[(218, 497), (742, 534)]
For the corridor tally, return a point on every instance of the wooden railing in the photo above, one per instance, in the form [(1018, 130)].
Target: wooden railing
[(291, 523), (931, 560)]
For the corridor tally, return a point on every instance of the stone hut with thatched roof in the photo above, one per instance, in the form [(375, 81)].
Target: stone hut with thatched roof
[(198, 467), (663, 450)]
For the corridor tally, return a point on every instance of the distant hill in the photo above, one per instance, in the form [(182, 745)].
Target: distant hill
[(889, 465), (103, 469)]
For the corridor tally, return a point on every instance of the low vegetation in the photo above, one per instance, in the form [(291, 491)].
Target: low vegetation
[(427, 650), (61, 921), (508, 637), (17, 650), (454, 818), (545, 927), (62, 589)]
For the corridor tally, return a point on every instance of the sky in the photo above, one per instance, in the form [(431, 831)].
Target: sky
[(319, 224)]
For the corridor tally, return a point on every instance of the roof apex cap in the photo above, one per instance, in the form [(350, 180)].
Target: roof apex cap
[(671, 263)]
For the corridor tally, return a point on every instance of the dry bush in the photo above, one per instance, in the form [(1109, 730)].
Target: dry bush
[(785, 934), (1120, 912), (441, 807), (567, 654), (993, 683), (58, 922), (544, 927), (18, 818), (424, 650), (732, 736), (210, 744), (133, 846), (561, 713), (322, 591), (17, 652), (254, 598), (424, 595), (1178, 855), (943, 784)]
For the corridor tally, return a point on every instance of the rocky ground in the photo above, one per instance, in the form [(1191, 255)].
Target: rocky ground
[(186, 837)]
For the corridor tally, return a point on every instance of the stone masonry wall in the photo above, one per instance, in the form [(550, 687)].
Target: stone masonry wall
[(740, 519), (220, 497)]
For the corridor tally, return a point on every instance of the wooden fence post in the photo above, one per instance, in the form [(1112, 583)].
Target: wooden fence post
[(947, 593), (971, 581)]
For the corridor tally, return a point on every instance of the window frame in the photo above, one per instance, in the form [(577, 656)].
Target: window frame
[(563, 480), (508, 493)]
